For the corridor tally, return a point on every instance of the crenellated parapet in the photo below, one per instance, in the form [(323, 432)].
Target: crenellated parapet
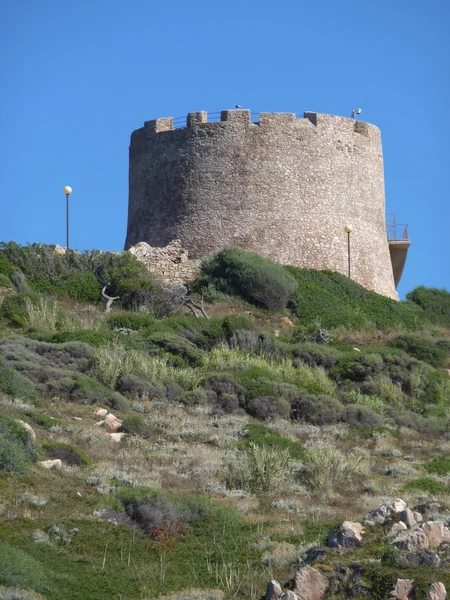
[(243, 117), (274, 183)]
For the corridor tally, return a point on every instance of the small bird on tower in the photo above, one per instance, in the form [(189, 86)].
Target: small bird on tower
[(237, 106)]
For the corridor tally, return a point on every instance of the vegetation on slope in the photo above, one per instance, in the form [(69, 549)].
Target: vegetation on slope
[(301, 402)]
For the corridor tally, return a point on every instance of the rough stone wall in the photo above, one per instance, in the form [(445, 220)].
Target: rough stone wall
[(170, 263), (283, 187)]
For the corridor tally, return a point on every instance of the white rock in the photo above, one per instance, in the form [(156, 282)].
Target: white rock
[(112, 422), (116, 437), (28, 428), (273, 590), (100, 412), (402, 589), (310, 584), (53, 465), (437, 591)]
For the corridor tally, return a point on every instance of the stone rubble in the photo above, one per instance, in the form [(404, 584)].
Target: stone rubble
[(171, 263)]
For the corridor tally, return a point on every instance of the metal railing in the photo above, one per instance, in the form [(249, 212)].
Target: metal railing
[(396, 231)]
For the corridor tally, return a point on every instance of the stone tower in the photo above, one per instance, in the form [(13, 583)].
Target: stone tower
[(283, 187)]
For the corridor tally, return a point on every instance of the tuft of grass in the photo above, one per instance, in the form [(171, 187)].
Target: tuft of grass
[(258, 469), (263, 436), (325, 466)]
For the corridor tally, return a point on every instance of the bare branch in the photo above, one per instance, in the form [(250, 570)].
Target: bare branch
[(109, 299)]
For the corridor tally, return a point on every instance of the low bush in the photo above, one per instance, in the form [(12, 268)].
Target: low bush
[(87, 336), (17, 449), (434, 302), (14, 384), (268, 408), (139, 388), (82, 286), (246, 274), (318, 410), (338, 301), (136, 425), (439, 466), (426, 484), (5, 281), (156, 513), (263, 436), (176, 345), (19, 569), (356, 414), (6, 268), (131, 321), (315, 355), (13, 309), (68, 453), (421, 348)]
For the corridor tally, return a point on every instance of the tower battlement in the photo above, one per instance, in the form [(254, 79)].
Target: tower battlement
[(274, 183)]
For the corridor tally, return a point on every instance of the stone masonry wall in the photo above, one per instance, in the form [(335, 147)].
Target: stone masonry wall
[(170, 263), (283, 187)]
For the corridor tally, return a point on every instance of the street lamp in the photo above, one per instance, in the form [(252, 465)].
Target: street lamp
[(348, 229), (67, 190)]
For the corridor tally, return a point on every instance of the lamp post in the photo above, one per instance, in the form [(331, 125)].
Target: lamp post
[(348, 229), (67, 190)]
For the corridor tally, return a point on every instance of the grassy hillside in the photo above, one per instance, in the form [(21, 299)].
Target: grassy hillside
[(303, 401)]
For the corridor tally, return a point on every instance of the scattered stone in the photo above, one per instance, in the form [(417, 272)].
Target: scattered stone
[(436, 533), (437, 591), (288, 322), (310, 584), (397, 527), (384, 511), (116, 437), (407, 516), (402, 589), (418, 517), (78, 419), (59, 250), (100, 412), (112, 422), (52, 465), (348, 536), (273, 591), (28, 428), (429, 535)]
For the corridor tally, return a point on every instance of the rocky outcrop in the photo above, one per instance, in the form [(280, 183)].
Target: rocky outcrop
[(310, 584), (402, 590), (349, 535)]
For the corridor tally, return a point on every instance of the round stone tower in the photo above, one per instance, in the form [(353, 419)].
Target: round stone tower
[(283, 187)]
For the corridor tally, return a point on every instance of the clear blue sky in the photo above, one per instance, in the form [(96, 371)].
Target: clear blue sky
[(77, 77)]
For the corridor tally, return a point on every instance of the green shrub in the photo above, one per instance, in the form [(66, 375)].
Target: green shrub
[(325, 466), (17, 449), (82, 286), (440, 466), (87, 336), (421, 348), (434, 302), (318, 410), (357, 366), (426, 484), (268, 408), (136, 425), (6, 268), (68, 453), (14, 309), (14, 384), (338, 301), (246, 274), (315, 355), (176, 345), (19, 569), (194, 397), (356, 414), (5, 281), (263, 436), (130, 321)]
